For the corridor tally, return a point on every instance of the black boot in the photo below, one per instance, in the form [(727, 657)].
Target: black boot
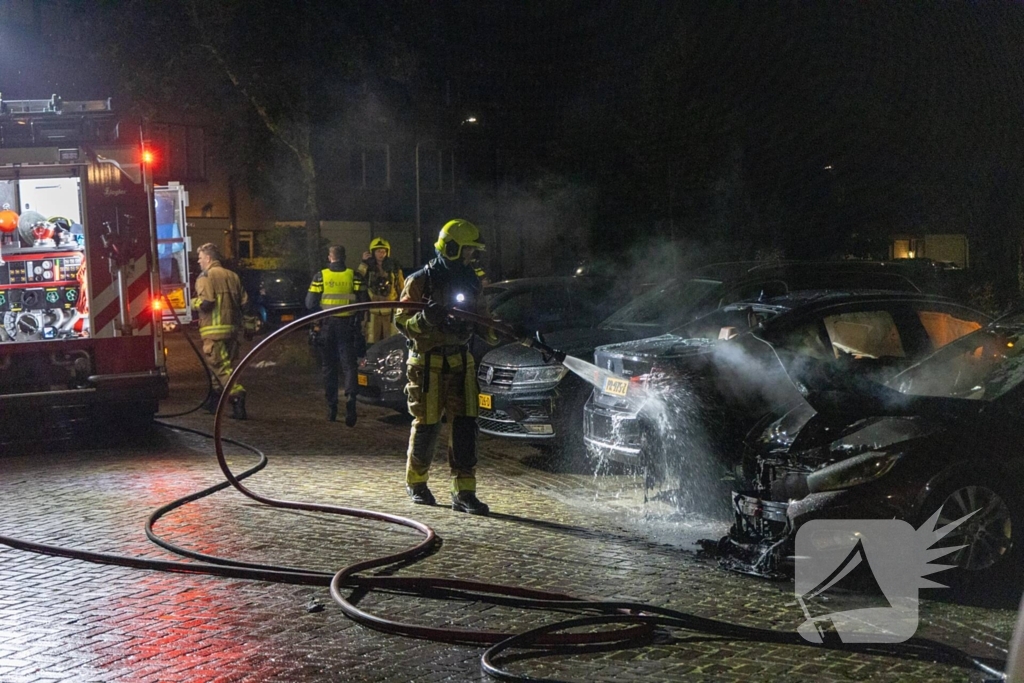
[(332, 412), (420, 494), (211, 401), (350, 412), (466, 501), (238, 407)]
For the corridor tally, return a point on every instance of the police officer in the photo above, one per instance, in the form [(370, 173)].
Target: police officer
[(384, 281), (441, 371), (220, 299), (341, 337)]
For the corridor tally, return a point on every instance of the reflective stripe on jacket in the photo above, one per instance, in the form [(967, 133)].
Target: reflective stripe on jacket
[(224, 289), (336, 288)]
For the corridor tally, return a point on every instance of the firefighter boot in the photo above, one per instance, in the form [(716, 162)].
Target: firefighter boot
[(211, 401), (420, 494), (350, 412), (238, 407), (466, 501)]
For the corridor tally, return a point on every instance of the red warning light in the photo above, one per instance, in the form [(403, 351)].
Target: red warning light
[(157, 305), (148, 157)]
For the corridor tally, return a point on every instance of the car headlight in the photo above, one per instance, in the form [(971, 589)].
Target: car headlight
[(860, 469), (540, 375), (394, 359)]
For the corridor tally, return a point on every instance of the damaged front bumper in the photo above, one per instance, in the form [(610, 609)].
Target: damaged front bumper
[(761, 540)]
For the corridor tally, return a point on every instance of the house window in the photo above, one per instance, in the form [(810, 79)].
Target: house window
[(370, 167), (245, 244), (181, 151), (436, 170)]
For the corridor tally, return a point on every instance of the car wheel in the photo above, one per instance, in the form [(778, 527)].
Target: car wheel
[(991, 538)]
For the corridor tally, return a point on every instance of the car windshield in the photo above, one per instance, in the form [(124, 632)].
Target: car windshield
[(662, 307), (980, 366)]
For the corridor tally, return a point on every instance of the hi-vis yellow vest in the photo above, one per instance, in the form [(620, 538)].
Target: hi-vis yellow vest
[(339, 290)]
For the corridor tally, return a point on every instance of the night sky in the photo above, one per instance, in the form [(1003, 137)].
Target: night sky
[(796, 125)]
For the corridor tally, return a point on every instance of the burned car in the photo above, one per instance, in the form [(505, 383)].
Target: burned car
[(943, 435), (527, 397), (545, 304), (700, 389)]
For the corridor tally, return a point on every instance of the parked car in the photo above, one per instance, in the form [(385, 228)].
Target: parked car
[(704, 386), (944, 434), (538, 401), (545, 304), (276, 296)]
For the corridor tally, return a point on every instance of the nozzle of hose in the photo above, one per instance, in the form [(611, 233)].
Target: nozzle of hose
[(547, 352)]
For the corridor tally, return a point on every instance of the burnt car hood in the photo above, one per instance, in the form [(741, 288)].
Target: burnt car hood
[(802, 429), (575, 342)]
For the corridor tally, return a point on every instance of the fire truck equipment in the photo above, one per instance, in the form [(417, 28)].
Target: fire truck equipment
[(87, 199)]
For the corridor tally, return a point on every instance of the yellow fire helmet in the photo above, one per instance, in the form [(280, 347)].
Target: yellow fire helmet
[(380, 243), (455, 235)]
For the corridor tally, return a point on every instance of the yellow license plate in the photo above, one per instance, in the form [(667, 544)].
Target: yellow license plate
[(286, 317), (485, 401), (362, 380), (615, 387)]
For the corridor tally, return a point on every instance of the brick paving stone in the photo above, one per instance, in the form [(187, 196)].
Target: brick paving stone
[(590, 536)]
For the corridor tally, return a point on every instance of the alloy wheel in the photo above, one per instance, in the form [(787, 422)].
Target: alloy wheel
[(987, 536)]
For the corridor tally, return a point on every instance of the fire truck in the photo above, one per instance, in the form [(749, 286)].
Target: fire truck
[(80, 307)]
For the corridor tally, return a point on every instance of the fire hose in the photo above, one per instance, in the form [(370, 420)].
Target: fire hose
[(636, 621)]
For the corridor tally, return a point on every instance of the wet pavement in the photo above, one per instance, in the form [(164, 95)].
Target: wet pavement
[(586, 535)]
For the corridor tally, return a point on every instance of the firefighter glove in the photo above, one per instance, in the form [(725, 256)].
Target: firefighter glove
[(435, 314)]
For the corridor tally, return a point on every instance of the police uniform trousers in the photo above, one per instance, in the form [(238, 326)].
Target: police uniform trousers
[(442, 383), (339, 356), (220, 356)]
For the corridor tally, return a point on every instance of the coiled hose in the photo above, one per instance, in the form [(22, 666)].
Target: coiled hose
[(636, 620)]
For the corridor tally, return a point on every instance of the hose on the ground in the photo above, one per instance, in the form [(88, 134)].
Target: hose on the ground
[(639, 620)]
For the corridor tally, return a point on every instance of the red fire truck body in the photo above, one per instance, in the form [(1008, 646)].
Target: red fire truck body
[(80, 318)]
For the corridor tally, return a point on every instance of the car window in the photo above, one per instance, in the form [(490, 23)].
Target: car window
[(864, 334), (534, 306), (662, 307), (808, 339), (942, 328), (980, 366)]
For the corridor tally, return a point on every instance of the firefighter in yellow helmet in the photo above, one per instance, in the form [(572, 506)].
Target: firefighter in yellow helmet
[(384, 281), (441, 370), (220, 299), (332, 287)]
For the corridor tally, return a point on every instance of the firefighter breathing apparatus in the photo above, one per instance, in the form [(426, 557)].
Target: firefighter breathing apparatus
[(635, 621)]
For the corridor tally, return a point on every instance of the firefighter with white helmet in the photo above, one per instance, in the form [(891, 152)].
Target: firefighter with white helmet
[(384, 281), (441, 371)]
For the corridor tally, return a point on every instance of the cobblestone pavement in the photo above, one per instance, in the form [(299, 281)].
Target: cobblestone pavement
[(590, 536)]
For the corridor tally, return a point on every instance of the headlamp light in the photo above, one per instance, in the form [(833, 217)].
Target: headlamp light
[(860, 469), (460, 298), (538, 376)]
